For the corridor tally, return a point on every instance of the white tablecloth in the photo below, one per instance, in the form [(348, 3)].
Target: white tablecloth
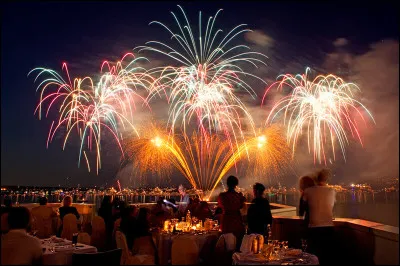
[(63, 256), (258, 259), (164, 242)]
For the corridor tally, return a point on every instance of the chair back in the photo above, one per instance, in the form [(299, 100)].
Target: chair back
[(112, 257), (44, 226), (4, 223), (98, 238), (117, 223), (224, 249), (185, 251), (121, 244), (69, 226), (84, 238), (145, 246)]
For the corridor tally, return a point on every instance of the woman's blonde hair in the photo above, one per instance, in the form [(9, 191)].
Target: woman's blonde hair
[(67, 197)]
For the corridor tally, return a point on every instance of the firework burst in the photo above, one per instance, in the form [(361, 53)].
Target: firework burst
[(325, 108), (92, 109), (203, 87)]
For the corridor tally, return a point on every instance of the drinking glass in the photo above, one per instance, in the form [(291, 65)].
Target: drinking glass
[(52, 247), (34, 232), (74, 239), (286, 245), (304, 244)]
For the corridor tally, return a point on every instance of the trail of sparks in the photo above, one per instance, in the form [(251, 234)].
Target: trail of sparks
[(202, 88), (93, 109), (324, 107)]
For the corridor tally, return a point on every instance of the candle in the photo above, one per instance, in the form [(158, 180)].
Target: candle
[(166, 225)]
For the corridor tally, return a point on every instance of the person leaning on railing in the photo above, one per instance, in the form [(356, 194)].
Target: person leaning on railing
[(321, 199)]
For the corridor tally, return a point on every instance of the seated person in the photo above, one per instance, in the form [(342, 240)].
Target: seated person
[(203, 211), (159, 213), (142, 227), (128, 224), (259, 213), (105, 211), (217, 214), (67, 208), (172, 209), (118, 206), (17, 247), (44, 218), (192, 206)]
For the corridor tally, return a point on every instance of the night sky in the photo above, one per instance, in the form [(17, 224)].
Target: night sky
[(359, 42)]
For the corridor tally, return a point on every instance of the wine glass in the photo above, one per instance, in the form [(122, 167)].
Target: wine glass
[(304, 244), (286, 245)]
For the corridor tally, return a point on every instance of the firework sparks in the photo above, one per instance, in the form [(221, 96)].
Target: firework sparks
[(267, 154), (325, 107), (205, 159), (203, 86), (92, 109)]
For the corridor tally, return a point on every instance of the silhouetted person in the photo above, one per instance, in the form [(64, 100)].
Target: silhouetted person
[(8, 202), (218, 214), (7, 205), (44, 216), (105, 211), (231, 202), (259, 212), (321, 200), (305, 182), (142, 227), (68, 208), (128, 225), (17, 247), (203, 211)]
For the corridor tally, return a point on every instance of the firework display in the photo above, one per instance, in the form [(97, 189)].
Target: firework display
[(202, 86), (91, 108), (325, 108), (209, 130)]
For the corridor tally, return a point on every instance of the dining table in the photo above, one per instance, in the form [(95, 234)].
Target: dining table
[(295, 258), (205, 242), (58, 251)]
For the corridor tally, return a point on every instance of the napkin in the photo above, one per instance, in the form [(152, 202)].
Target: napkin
[(250, 257), (294, 252), (247, 243)]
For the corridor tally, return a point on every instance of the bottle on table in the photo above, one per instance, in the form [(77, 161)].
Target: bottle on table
[(188, 218)]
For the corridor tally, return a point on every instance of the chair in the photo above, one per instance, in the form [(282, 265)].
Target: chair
[(98, 238), (127, 258), (185, 251), (117, 223), (145, 246), (44, 226), (69, 226), (224, 249), (112, 257), (84, 238)]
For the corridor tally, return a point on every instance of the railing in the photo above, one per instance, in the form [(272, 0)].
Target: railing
[(359, 241)]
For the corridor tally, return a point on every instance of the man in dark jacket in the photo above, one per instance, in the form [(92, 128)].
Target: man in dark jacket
[(259, 213)]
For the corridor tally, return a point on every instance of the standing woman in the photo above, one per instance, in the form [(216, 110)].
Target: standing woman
[(231, 202)]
